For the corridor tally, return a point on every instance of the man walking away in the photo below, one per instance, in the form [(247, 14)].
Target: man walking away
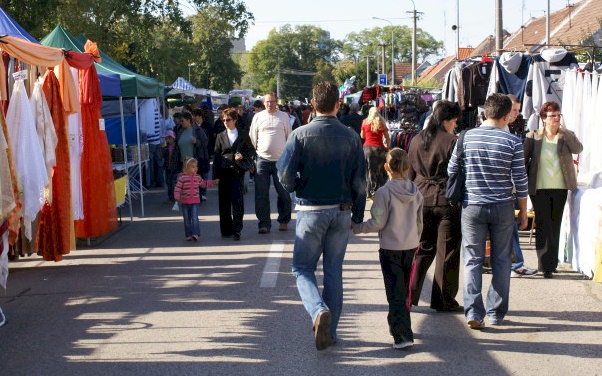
[(494, 163), (323, 162)]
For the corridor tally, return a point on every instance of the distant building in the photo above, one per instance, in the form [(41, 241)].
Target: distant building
[(238, 45)]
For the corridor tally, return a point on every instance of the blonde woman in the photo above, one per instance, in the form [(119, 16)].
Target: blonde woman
[(374, 131)]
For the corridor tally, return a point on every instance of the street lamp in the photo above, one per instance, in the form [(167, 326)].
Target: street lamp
[(414, 45), (392, 50), (190, 65)]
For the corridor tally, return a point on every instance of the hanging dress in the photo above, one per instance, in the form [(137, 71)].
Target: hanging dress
[(29, 160), (54, 239)]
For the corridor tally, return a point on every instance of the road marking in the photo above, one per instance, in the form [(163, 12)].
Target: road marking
[(272, 265)]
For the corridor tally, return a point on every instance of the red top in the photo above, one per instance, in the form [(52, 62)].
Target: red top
[(373, 138)]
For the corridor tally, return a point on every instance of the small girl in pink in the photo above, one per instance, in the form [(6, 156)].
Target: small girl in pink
[(187, 195)]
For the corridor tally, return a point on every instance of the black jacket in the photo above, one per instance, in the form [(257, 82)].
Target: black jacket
[(223, 161)]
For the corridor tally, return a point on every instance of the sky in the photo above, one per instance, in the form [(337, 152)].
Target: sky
[(477, 17)]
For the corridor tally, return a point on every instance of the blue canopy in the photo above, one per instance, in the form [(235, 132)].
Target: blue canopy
[(110, 84), (8, 26)]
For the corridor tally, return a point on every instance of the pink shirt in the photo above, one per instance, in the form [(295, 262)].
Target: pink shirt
[(187, 188)]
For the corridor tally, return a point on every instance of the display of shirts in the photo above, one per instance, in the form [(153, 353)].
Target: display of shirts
[(545, 82), (509, 74), (44, 126), (473, 85)]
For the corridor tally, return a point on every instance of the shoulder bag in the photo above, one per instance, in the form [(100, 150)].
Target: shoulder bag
[(455, 186)]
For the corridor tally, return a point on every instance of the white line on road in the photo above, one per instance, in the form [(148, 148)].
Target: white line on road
[(272, 265)]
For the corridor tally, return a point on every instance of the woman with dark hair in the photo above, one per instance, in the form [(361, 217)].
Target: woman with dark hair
[(234, 154), (549, 161), (193, 143), (429, 154)]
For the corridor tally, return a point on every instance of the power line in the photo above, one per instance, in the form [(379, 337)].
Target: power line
[(323, 21)]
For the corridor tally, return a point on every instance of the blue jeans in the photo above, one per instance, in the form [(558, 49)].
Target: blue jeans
[(520, 259), (191, 219), (321, 233), (477, 220), (266, 170)]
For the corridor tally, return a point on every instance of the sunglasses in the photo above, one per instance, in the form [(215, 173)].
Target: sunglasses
[(227, 120)]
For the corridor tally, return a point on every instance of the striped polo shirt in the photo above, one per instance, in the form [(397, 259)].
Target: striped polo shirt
[(494, 163)]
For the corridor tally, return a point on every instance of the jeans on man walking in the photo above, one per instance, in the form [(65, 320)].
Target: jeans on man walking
[(520, 259), (267, 170), (191, 219), (321, 233), (498, 219)]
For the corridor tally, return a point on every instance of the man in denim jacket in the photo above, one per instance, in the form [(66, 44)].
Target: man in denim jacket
[(323, 163)]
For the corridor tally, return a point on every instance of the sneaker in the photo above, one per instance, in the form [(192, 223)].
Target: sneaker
[(283, 227), (264, 230), (403, 345), (476, 324), (523, 271), (203, 198), (495, 321), (189, 239), (195, 238), (322, 330)]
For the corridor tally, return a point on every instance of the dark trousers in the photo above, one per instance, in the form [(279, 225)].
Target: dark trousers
[(549, 207), (397, 269), (440, 240), (267, 170), (171, 178), (231, 204), (375, 162)]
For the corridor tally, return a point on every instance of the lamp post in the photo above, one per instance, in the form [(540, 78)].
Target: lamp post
[(190, 65), (414, 45), (392, 50)]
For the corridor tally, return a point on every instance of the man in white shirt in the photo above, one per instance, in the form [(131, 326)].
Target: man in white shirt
[(269, 131)]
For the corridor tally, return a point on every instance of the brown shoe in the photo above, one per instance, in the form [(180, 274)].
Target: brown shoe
[(322, 330), (283, 227)]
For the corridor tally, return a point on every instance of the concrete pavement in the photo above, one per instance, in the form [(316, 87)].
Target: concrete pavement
[(145, 301)]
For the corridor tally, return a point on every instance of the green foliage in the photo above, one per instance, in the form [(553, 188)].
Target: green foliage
[(304, 48), (150, 37), (356, 46)]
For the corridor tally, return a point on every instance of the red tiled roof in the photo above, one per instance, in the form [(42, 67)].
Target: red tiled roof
[(570, 25)]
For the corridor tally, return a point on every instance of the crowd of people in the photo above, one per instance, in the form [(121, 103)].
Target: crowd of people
[(332, 161)]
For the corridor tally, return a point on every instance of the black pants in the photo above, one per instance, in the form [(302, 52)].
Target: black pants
[(440, 241), (549, 207), (375, 168), (397, 269), (171, 178), (231, 203)]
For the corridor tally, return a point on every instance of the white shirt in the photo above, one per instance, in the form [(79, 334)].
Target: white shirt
[(232, 135), (269, 133)]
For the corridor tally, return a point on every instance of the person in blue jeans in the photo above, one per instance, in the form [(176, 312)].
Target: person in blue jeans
[(493, 162), (518, 268), (329, 197)]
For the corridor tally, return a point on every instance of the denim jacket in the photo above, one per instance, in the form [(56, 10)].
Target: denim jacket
[(323, 162)]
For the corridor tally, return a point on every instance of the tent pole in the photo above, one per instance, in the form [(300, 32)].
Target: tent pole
[(139, 156), (125, 159)]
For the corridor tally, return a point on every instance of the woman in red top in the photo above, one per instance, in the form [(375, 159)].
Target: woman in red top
[(374, 129)]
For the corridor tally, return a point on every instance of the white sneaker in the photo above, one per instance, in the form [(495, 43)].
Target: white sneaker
[(523, 271), (403, 345)]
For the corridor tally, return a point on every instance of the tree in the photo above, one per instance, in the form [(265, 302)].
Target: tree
[(149, 37), (365, 43), (301, 49)]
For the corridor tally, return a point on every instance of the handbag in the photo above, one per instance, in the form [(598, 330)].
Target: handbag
[(455, 186)]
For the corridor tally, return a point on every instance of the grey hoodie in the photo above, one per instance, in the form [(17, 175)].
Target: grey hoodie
[(396, 215)]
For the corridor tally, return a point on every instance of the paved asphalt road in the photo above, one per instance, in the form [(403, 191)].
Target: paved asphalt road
[(143, 301)]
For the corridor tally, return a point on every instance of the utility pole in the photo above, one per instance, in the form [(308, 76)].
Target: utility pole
[(392, 50), (368, 57), (382, 46), (278, 79), (548, 26), (415, 17), (499, 28)]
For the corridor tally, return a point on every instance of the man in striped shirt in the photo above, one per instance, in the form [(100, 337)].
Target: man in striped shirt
[(494, 163)]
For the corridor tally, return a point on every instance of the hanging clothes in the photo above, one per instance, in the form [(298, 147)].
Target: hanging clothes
[(544, 82), (7, 194), (44, 127), (56, 222), (14, 222), (509, 74), (76, 145), (29, 159), (97, 169), (473, 85)]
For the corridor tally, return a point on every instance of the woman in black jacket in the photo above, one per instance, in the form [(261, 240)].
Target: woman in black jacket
[(234, 155)]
